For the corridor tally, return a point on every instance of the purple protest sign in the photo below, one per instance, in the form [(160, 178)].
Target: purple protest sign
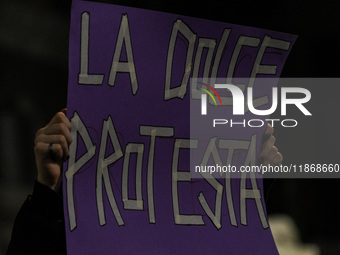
[(127, 185)]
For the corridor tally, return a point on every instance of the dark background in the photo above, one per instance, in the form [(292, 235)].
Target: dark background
[(34, 72)]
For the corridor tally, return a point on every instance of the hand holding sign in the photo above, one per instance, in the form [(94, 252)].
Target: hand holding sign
[(51, 149), (269, 154)]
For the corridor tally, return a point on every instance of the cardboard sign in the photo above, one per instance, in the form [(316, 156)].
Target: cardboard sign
[(127, 184)]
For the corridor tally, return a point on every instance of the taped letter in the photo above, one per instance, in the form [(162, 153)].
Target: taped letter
[(179, 91), (103, 175), (182, 176), (212, 151), (129, 65), (231, 146), (78, 127), (254, 192), (153, 132), (84, 77), (133, 204)]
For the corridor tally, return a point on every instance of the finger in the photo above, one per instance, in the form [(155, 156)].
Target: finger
[(272, 154), (60, 117), (56, 140), (274, 161), (267, 146), (38, 133), (45, 152), (56, 152), (57, 129), (268, 132), (269, 129), (273, 158), (278, 159)]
